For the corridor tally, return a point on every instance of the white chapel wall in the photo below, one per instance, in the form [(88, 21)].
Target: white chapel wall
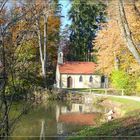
[(96, 83)]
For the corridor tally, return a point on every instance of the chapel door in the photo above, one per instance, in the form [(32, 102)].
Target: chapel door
[(102, 81), (69, 82)]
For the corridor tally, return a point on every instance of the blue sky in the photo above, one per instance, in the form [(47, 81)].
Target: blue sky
[(66, 4)]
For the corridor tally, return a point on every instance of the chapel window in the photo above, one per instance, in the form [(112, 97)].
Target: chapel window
[(90, 79), (80, 79)]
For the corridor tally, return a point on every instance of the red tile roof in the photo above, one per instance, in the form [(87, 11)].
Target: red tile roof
[(78, 67)]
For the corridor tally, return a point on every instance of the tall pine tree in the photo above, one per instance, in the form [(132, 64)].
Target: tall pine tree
[(86, 15)]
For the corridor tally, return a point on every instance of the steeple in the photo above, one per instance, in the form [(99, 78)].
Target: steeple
[(60, 56)]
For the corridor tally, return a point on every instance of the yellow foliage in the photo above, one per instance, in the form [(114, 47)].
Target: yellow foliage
[(111, 44), (138, 86)]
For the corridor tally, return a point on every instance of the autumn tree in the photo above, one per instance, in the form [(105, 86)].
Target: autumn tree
[(110, 39), (126, 31), (53, 41), (8, 45), (19, 55), (46, 26), (113, 44)]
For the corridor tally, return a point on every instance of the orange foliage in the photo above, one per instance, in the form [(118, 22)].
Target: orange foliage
[(110, 42)]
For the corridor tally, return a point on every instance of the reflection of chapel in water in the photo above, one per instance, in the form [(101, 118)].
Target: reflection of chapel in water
[(79, 114)]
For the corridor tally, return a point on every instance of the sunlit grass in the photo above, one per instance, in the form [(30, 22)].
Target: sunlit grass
[(131, 109), (128, 105)]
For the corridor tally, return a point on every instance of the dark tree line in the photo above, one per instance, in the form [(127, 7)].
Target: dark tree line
[(86, 16)]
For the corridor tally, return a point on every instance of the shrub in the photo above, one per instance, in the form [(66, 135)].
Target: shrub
[(120, 79), (138, 86)]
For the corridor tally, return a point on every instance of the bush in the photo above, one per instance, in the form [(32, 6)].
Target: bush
[(120, 79), (138, 86)]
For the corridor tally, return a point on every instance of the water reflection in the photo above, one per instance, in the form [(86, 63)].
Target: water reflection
[(59, 119)]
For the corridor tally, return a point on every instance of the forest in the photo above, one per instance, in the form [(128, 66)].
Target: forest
[(106, 32)]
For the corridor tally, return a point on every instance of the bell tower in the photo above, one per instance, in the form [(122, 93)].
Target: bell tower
[(60, 56)]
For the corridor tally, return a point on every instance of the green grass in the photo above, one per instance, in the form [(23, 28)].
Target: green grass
[(106, 129), (115, 127), (128, 105)]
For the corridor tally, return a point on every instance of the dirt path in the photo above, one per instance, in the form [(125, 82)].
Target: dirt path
[(124, 97), (135, 98)]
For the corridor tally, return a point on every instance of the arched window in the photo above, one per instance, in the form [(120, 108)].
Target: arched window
[(80, 79), (69, 82), (90, 79), (60, 58), (60, 54)]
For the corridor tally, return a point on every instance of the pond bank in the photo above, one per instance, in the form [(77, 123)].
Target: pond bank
[(37, 94), (65, 115), (127, 124)]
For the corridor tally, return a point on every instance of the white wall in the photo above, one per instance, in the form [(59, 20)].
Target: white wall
[(84, 84)]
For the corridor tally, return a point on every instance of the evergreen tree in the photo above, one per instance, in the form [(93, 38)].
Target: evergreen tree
[(86, 15)]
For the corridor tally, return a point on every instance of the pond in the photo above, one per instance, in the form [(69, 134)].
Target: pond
[(56, 119)]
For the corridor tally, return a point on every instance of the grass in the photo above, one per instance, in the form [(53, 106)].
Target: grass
[(126, 126), (128, 105)]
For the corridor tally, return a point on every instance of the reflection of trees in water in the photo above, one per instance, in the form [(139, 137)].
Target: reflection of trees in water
[(7, 95), (10, 115), (31, 123)]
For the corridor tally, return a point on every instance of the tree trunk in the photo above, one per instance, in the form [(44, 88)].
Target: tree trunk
[(43, 69), (5, 112), (43, 48), (136, 8), (127, 33), (116, 61)]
